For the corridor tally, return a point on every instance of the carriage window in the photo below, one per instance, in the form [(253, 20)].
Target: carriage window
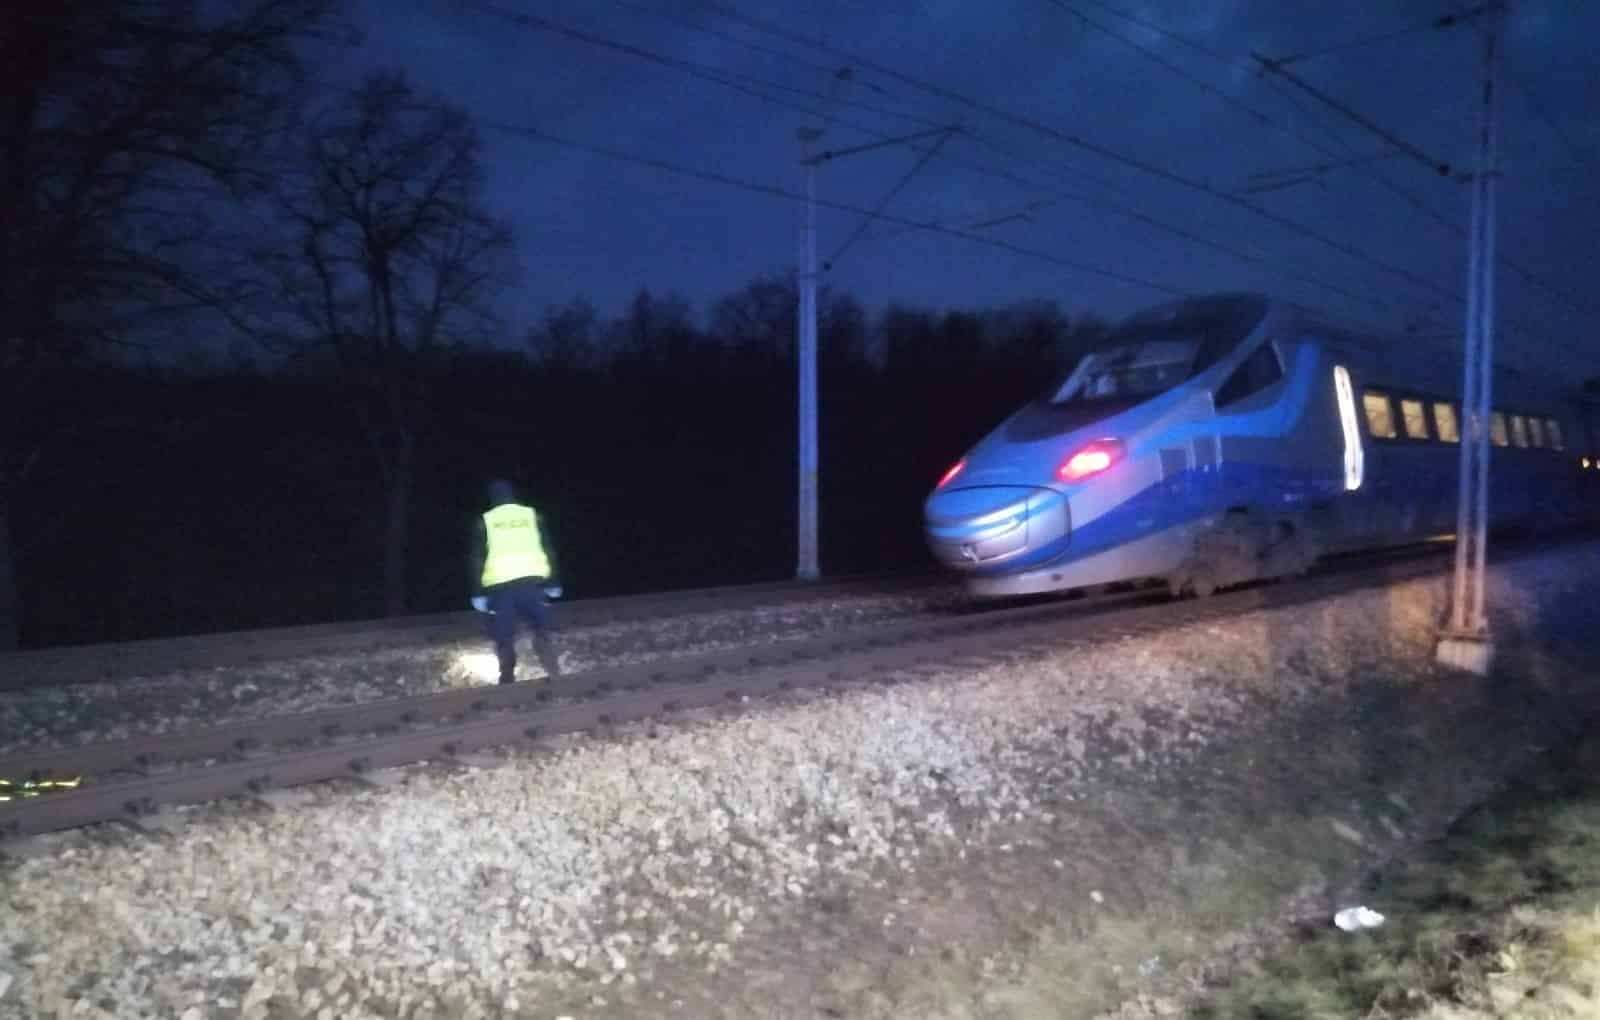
[(1519, 430), (1497, 429), (1416, 421), (1259, 371), (1536, 432), (1380, 415), (1444, 423), (1552, 428)]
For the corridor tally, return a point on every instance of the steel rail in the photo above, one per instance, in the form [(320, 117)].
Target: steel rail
[(522, 714), (114, 660), (142, 752)]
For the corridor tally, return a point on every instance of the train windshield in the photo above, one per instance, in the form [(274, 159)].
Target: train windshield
[(1152, 352), (1129, 371)]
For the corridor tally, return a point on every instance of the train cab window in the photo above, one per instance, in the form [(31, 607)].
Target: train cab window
[(1260, 370), (1156, 350), (1445, 425), (1536, 432), (1380, 414), (1552, 429), (1415, 419), (1497, 429), (1519, 430)]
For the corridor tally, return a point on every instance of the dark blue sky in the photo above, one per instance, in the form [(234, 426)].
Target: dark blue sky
[(590, 225)]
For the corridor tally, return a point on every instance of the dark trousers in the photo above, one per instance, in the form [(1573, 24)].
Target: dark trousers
[(522, 599)]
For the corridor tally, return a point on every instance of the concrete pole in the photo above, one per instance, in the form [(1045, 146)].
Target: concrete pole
[(1467, 642), (807, 567), (1486, 304)]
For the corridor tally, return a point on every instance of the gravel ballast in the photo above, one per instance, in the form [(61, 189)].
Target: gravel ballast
[(44, 717), (1053, 834)]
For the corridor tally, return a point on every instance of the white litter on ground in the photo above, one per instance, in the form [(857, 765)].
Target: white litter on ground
[(1357, 919)]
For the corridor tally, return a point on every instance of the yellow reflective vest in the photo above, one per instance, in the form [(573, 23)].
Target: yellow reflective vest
[(516, 549)]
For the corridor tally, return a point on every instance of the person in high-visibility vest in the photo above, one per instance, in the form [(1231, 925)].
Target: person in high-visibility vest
[(512, 568)]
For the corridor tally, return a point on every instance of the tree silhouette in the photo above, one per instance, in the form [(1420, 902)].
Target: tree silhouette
[(122, 125), (391, 264)]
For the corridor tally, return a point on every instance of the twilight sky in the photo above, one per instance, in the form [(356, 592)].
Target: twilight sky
[(1163, 84)]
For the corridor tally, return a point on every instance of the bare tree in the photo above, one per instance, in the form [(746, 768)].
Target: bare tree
[(390, 263), (564, 343), (122, 124), (652, 333), (760, 315)]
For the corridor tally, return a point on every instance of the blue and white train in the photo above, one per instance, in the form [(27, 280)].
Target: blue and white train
[(1217, 440)]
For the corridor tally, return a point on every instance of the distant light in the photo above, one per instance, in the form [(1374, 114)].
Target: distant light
[(955, 469), (1586, 463)]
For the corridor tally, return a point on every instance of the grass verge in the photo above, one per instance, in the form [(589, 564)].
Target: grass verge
[(1500, 918)]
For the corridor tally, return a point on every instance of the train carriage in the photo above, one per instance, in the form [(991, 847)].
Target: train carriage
[(1221, 439)]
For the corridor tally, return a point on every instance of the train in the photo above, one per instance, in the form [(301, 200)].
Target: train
[(1215, 440)]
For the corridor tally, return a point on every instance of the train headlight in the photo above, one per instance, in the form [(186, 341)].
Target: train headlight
[(1090, 460)]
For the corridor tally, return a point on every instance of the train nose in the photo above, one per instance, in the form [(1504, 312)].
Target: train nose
[(988, 525)]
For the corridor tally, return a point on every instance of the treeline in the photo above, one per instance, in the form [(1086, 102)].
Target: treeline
[(182, 181), (660, 443)]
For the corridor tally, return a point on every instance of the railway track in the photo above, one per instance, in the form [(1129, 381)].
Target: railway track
[(113, 661), (130, 780)]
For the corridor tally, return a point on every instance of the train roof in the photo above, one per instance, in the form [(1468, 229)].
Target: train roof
[(1429, 362)]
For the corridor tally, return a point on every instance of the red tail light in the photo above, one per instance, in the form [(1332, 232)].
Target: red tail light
[(955, 469), (1090, 460)]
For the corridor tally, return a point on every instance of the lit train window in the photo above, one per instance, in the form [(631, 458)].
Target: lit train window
[(1536, 432), (1498, 434), (1354, 465), (1519, 430), (1415, 419), (1552, 428), (1445, 424), (1380, 414)]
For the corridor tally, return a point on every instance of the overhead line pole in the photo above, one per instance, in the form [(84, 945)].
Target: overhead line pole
[(808, 567), (1467, 642), (807, 553)]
